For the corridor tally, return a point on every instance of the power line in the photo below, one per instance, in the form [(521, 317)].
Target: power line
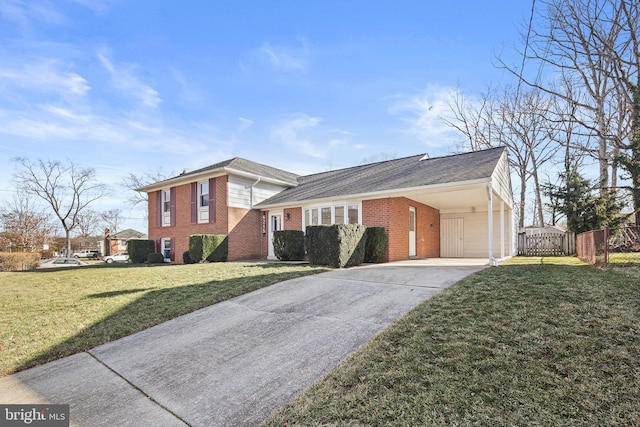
[(526, 48)]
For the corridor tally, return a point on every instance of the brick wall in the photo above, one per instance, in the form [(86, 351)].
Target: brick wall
[(393, 215), (245, 235), (295, 219), (241, 225)]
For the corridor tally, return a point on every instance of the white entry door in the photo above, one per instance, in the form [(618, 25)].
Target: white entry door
[(452, 238), (275, 224), (412, 231)]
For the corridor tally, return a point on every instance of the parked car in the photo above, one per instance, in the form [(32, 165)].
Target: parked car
[(60, 262), (87, 253), (119, 257)]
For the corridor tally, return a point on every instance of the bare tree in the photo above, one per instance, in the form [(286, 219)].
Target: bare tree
[(88, 223), (133, 182), (515, 120), (24, 223), (67, 188), (529, 134), (112, 219), (593, 47)]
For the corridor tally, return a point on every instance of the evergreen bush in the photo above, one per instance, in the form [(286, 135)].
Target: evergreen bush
[(155, 258), (208, 247), (288, 245), (139, 250), (339, 245), (376, 244)]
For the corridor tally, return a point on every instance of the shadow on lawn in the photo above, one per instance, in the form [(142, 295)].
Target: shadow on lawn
[(153, 307)]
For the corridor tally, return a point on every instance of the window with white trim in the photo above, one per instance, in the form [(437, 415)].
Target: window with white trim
[(166, 248), (348, 213), (166, 207), (203, 202)]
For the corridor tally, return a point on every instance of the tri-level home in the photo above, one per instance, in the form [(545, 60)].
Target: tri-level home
[(452, 206)]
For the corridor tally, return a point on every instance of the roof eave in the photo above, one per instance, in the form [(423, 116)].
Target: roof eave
[(373, 194), (213, 173)]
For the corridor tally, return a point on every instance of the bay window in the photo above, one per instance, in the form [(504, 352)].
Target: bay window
[(348, 213)]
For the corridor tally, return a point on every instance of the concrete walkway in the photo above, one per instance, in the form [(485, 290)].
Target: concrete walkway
[(235, 362)]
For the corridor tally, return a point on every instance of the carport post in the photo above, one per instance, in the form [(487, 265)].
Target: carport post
[(492, 260)]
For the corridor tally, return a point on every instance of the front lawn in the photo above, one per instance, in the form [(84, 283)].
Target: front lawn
[(46, 315), (531, 343)]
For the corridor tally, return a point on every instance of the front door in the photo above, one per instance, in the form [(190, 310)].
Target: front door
[(412, 231), (275, 224)]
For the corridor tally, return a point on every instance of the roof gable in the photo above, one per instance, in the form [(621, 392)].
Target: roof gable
[(238, 165), (407, 172)]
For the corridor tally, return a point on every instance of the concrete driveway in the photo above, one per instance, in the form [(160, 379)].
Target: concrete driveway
[(235, 362)]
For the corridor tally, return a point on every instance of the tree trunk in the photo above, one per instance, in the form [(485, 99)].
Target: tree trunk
[(523, 197), (67, 236)]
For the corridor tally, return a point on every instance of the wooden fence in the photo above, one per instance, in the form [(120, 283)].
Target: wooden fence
[(547, 244)]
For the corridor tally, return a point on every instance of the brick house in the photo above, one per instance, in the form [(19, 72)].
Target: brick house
[(117, 242), (451, 206)]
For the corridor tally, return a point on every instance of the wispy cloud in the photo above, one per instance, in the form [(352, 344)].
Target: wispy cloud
[(244, 124), (304, 134), (48, 123), (28, 13), (423, 115), (47, 75), (124, 79), (283, 58)]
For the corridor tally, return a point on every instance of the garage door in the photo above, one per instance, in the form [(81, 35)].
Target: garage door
[(452, 238)]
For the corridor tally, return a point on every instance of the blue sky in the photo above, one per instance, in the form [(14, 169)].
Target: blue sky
[(306, 86)]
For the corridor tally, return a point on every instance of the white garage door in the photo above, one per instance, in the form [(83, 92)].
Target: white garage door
[(452, 238)]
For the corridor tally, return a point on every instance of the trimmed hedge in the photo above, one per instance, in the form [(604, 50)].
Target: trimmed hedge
[(339, 245), (288, 245), (186, 258), (208, 247), (155, 258), (376, 244), (139, 250)]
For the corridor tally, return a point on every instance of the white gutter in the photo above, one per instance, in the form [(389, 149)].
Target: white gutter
[(251, 191)]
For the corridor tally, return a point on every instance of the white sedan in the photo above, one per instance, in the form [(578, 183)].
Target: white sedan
[(120, 257), (60, 262)]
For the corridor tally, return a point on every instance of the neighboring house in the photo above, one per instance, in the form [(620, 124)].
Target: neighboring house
[(452, 206), (532, 230), (117, 242)]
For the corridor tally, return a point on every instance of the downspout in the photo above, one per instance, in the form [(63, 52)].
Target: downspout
[(251, 190), (492, 261)]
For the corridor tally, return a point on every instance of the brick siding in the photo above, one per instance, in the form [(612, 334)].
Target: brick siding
[(393, 215)]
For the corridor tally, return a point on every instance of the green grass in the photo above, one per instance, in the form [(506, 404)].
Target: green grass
[(46, 315), (540, 344)]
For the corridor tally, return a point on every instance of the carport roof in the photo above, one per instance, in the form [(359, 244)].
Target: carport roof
[(391, 175)]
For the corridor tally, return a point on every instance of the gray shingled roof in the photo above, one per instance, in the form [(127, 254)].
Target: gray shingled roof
[(244, 165), (129, 233), (238, 164), (408, 172)]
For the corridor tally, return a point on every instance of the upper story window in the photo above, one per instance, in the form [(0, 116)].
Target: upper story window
[(166, 207), (203, 202), (166, 201), (203, 194)]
